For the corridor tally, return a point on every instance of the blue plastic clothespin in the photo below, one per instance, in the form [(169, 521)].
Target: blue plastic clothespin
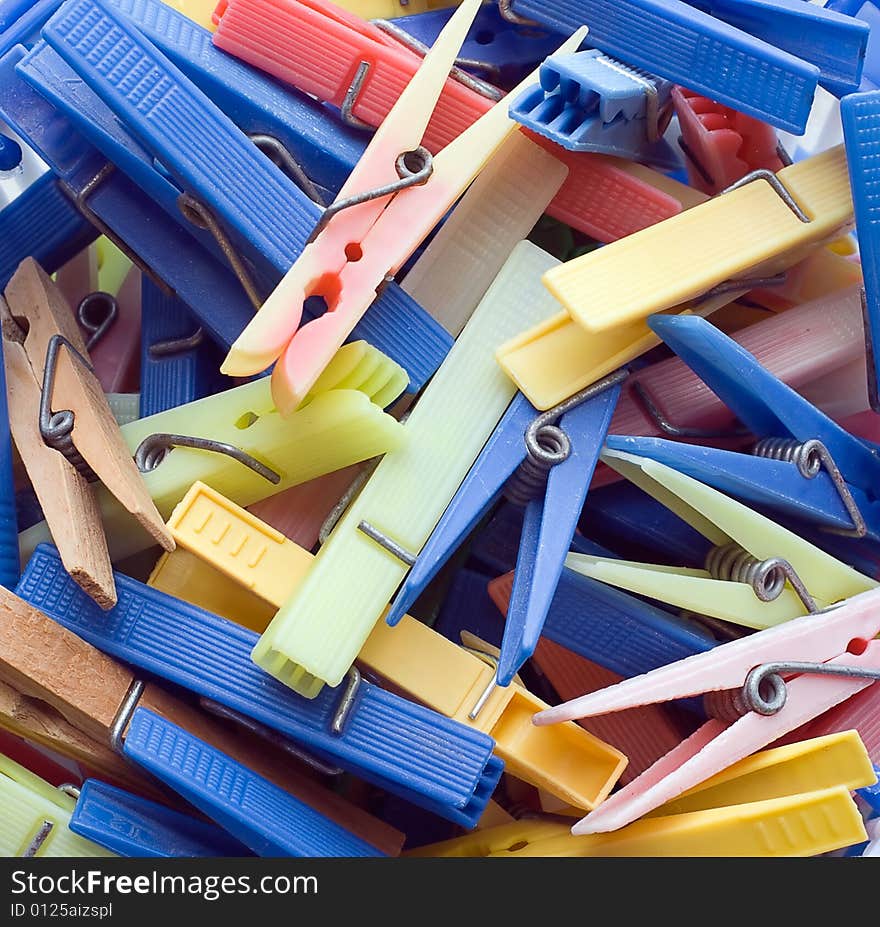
[(550, 516), (803, 488), (771, 410), (261, 815), (634, 525), (495, 49), (318, 141), (868, 11), (131, 825), (179, 362), (860, 113), (676, 41), (262, 217), (590, 102), (870, 794), (835, 43), (9, 557), (116, 206), (429, 759)]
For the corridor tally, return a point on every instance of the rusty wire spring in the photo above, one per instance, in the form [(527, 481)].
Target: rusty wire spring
[(733, 564), (806, 456), (546, 446)]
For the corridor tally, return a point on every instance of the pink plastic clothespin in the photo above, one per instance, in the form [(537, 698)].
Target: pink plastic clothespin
[(760, 687), (393, 198)]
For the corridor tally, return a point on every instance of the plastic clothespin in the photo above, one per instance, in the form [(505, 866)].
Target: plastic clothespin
[(341, 59), (179, 363), (769, 408), (835, 43), (803, 205), (832, 656), (642, 734), (859, 113), (781, 802), (198, 185), (699, 255), (868, 12), (511, 462), (495, 48), (797, 346), (414, 659), (237, 441), (36, 218), (103, 699), (757, 574), (318, 632), (682, 44), (805, 486), (369, 232), (65, 432), (287, 124), (588, 101), (722, 145), (291, 48), (130, 825), (412, 751), (36, 818)]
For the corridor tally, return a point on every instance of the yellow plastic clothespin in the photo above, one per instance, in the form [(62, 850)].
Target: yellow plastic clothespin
[(36, 816), (66, 434), (237, 441), (748, 547), (566, 760), (788, 801), (754, 230), (319, 631), (744, 540)]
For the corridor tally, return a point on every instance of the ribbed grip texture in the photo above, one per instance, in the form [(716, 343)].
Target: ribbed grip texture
[(386, 738), (673, 40), (262, 815)]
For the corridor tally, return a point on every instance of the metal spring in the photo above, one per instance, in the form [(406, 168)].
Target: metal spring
[(56, 428), (550, 447), (805, 455), (810, 458), (730, 562)]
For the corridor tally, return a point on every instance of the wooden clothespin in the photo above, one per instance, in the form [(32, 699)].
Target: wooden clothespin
[(65, 431)]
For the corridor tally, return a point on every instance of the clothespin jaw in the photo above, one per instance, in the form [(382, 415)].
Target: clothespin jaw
[(131, 825), (748, 546), (833, 654), (768, 407), (36, 818), (359, 245), (590, 102), (524, 443)]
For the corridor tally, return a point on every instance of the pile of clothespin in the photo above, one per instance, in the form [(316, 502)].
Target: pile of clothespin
[(439, 429)]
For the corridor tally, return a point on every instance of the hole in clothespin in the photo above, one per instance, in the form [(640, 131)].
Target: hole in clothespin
[(484, 37), (328, 289), (857, 646), (354, 252), (519, 845), (246, 420)]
